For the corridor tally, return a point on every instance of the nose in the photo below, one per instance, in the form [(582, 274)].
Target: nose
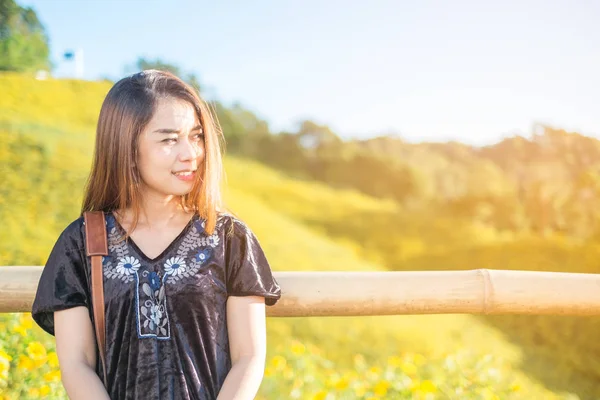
[(189, 151)]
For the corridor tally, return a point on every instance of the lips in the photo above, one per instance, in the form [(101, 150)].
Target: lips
[(185, 175)]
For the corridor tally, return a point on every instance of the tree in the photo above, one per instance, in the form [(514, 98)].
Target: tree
[(143, 64), (194, 82), (23, 39), (313, 136), (243, 130), (190, 78)]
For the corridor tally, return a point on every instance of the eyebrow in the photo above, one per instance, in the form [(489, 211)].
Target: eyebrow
[(167, 130)]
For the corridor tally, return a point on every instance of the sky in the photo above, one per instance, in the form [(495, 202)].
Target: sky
[(469, 71)]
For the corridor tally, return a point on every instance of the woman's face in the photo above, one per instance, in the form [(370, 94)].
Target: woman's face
[(171, 149)]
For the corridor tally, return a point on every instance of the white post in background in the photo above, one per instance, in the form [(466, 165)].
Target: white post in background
[(77, 57), (79, 63)]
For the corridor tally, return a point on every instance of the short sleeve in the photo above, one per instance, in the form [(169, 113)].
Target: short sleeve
[(63, 282), (248, 271)]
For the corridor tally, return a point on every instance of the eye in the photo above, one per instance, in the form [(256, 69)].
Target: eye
[(169, 140), (199, 135)]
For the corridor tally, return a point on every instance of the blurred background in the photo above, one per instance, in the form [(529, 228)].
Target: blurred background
[(392, 135)]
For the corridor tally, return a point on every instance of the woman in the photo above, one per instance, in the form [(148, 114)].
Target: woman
[(185, 283)]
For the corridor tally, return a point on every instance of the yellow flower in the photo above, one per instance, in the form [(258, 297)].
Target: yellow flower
[(298, 348), (34, 392), (375, 370), (427, 387), (20, 329), (4, 364), (394, 361), (321, 395), (419, 359), (269, 371), (381, 388), (4, 356), (45, 390), (52, 359), (515, 387), (409, 368), (342, 384), (334, 380), (36, 350), (278, 362), (26, 321), (52, 376), (25, 363), (39, 362)]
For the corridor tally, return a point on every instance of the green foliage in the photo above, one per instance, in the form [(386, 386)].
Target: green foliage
[(244, 131), (28, 361), (299, 369), (544, 185), (23, 39), (51, 110), (31, 205), (304, 372), (144, 64)]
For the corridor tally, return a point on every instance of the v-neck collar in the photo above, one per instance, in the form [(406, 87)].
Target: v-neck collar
[(166, 250)]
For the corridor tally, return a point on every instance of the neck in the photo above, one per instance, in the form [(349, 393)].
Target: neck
[(157, 211)]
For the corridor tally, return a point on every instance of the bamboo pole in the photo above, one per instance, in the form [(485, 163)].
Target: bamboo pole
[(479, 291)]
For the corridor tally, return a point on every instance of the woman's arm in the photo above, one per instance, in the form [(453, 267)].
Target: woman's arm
[(246, 325), (76, 351)]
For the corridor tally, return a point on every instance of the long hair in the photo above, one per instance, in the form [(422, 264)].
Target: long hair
[(114, 182)]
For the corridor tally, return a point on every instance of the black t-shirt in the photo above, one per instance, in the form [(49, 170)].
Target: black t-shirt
[(166, 327)]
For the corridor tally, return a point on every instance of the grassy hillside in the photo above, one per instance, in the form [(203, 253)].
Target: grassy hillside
[(402, 240), (51, 110), (45, 152)]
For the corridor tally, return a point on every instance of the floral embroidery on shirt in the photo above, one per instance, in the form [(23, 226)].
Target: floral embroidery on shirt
[(194, 251), (154, 310), (203, 255), (175, 266), (128, 265), (121, 251)]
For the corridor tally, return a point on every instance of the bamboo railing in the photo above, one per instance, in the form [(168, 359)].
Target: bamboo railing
[(478, 291)]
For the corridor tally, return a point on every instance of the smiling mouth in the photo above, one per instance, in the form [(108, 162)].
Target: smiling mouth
[(184, 173)]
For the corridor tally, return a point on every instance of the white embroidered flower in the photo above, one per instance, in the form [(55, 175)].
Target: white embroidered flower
[(128, 265), (213, 240), (155, 314), (175, 266)]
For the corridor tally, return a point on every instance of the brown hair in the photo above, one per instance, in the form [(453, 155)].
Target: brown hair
[(113, 183)]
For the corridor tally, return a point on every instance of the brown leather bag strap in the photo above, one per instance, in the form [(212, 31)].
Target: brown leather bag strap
[(96, 246)]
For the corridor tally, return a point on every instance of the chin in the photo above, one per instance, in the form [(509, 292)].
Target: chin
[(171, 190), (180, 192)]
